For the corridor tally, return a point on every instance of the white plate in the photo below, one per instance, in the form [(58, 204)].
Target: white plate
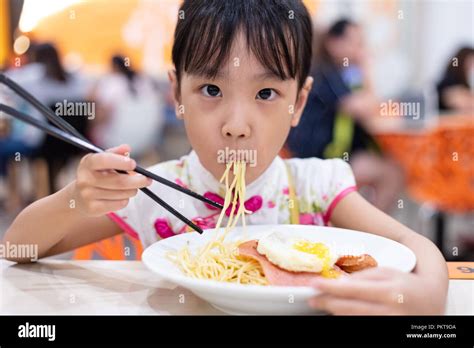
[(256, 299)]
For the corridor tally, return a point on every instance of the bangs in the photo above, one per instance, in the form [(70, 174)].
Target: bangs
[(278, 33)]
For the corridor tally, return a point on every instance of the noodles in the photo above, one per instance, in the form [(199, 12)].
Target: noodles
[(219, 260)]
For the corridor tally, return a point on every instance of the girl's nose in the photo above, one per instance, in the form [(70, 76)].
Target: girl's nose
[(236, 128)]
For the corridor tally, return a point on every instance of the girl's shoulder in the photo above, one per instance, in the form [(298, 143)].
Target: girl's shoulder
[(320, 184), (316, 168), (170, 169)]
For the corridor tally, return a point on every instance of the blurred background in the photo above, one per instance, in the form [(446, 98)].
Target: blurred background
[(393, 95)]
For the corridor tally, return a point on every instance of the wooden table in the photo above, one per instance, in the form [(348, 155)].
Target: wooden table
[(123, 287)]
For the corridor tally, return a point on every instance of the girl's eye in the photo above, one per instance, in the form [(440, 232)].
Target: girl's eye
[(211, 91), (266, 94)]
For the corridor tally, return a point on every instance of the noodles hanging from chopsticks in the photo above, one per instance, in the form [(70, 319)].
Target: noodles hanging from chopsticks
[(219, 260)]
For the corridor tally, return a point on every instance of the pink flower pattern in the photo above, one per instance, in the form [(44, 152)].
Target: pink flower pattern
[(253, 204), (163, 228), (312, 219), (180, 183)]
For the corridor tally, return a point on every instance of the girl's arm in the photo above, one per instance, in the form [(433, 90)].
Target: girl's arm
[(355, 213), (55, 228), (383, 291), (76, 215)]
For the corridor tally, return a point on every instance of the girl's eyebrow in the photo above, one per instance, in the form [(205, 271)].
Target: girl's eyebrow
[(264, 75), (267, 75), (207, 74)]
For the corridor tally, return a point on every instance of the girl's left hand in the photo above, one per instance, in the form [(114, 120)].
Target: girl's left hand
[(378, 291)]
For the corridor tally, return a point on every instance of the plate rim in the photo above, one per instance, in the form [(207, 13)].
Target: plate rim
[(244, 289)]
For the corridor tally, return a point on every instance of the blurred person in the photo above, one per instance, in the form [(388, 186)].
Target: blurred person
[(341, 101), (16, 138), (56, 87), (45, 78), (17, 141), (455, 90), (129, 109)]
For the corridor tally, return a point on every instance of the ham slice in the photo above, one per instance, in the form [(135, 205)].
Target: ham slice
[(356, 263), (274, 274)]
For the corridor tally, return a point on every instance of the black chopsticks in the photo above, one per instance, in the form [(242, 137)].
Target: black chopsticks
[(69, 134)]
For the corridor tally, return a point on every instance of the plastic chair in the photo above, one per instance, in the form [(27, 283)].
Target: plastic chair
[(439, 166)]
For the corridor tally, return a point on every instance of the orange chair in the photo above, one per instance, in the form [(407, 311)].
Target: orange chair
[(439, 166), (120, 247)]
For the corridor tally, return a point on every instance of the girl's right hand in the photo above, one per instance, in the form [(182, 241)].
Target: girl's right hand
[(99, 189)]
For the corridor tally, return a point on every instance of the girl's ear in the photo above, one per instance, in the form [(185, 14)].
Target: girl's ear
[(175, 92), (301, 101)]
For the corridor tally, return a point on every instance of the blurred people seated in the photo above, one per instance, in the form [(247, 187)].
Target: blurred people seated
[(62, 91), (341, 101), (129, 109), (456, 88), (45, 78)]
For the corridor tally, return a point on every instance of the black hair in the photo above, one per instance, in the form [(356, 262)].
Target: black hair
[(47, 54), (457, 72), (118, 62), (454, 75), (338, 28), (336, 31), (277, 32)]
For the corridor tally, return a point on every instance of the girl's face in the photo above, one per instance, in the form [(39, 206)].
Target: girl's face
[(244, 108)]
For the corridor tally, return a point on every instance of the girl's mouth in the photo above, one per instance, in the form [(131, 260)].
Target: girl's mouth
[(228, 155)]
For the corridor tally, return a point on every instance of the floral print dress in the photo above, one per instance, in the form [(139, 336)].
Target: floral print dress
[(318, 186)]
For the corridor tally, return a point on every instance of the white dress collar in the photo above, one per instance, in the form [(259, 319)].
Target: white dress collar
[(201, 180)]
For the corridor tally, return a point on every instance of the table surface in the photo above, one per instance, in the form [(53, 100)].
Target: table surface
[(124, 287)]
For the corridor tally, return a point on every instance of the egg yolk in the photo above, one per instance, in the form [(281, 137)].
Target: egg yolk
[(322, 252)]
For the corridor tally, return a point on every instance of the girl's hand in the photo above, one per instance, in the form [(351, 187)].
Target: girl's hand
[(378, 291), (99, 189)]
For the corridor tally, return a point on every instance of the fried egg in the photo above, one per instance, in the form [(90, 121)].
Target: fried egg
[(297, 255)]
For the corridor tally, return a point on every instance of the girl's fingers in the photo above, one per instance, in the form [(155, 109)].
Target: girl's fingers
[(116, 181), (123, 149), (107, 161), (376, 273), (96, 193), (349, 287), (344, 306)]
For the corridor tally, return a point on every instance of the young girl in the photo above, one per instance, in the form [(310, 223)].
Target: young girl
[(240, 82)]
